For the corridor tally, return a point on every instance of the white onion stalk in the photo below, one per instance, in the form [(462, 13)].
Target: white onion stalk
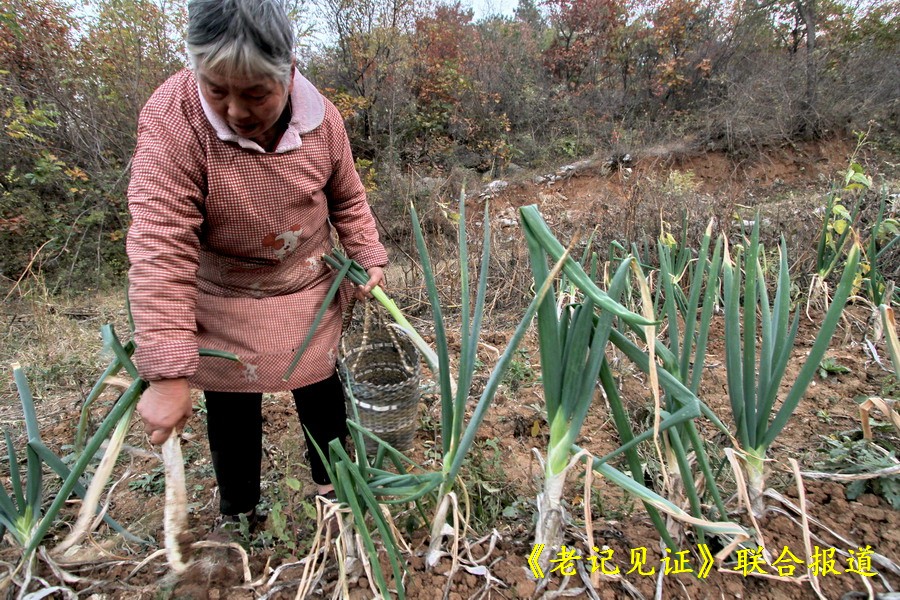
[(175, 513), (756, 479), (98, 483), (439, 529), (551, 516)]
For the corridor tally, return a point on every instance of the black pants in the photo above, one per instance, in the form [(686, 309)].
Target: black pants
[(234, 425)]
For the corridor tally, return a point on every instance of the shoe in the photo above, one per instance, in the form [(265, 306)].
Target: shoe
[(332, 524), (329, 495), (228, 528)]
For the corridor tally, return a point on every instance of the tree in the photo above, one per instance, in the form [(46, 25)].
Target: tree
[(442, 45), (682, 36), (126, 52), (527, 12), (809, 121), (585, 31), (370, 38)]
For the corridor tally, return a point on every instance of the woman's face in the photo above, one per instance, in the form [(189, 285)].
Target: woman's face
[(251, 106)]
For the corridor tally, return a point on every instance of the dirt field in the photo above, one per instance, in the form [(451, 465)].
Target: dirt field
[(503, 476)]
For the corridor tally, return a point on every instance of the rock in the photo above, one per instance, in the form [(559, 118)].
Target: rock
[(575, 168), (468, 159), (868, 500), (493, 188), (525, 587), (429, 185)]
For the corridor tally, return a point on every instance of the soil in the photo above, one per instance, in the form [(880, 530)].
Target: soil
[(504, 475)]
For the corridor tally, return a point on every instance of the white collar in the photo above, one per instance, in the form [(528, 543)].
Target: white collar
[(307, 113)]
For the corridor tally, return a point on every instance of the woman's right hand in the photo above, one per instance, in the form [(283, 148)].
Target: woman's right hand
[(164, 405)]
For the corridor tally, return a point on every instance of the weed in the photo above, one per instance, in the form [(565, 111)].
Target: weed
[(432, 452), (152, 483), (278, 533), (290, 516), (520, 372), (568, 146), (845, 453), (200, 406), (830, 366), (890, 387), (680, 183), (490, 495)]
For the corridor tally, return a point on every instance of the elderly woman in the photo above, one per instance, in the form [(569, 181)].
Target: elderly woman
[(241, 169)]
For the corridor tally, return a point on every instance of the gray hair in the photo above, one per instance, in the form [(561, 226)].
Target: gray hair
[(241, 38)]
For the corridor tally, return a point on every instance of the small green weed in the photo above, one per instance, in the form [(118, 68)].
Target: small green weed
[(520, 372), (680, 183), (846, 454), (824, 416), (830, 366), (152, 483), (490, 494), (278, 532)]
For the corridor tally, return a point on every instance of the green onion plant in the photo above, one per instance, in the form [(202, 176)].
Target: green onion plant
[(363, 484), (457, 435), (572, 348), (23, 514), (755, 369), (688, 352)]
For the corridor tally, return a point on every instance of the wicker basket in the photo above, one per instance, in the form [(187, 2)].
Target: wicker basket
[(380, 370)]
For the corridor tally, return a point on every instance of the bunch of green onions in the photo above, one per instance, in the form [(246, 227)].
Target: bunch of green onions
[(572, 347), (363, 484), (755, 370), (21, 514), (685, 355)]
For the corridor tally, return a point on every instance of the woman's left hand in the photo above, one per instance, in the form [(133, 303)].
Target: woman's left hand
[(376, 277)]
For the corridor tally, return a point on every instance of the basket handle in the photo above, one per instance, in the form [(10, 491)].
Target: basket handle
[(392, 332), (376, 315), (371, 315), (348, 314)]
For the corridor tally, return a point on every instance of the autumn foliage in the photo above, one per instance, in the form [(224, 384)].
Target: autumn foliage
[(426, 86)]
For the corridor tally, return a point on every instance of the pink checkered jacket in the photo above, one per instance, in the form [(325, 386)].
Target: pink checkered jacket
[(226, 239)]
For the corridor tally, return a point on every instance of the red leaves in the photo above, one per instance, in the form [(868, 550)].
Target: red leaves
[(586, 33)]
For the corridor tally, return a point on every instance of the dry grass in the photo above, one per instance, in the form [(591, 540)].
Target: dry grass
[(57, 341)]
